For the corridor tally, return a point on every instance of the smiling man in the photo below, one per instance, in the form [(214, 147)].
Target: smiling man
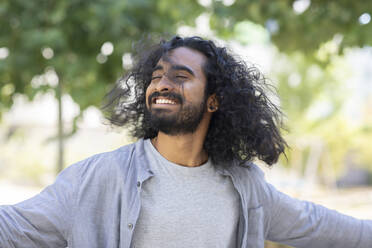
[(201, 116)]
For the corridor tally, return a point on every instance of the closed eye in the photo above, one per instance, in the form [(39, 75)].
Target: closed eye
[(180, 76)]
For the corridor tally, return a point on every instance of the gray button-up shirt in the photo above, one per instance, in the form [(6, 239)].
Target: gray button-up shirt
[(95, 203)]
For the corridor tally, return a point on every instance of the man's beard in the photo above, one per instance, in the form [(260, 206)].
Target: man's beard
[(185, 120)]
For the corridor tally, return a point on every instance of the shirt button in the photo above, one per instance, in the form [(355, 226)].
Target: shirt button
[(138, 184), (130, 226)]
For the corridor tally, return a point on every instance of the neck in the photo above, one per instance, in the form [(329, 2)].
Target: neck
[(185, 149)]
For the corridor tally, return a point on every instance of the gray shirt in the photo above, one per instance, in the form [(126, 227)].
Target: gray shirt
[(186, 206), (96, 202)]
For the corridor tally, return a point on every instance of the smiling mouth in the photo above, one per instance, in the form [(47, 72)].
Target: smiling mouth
[(164, 101)]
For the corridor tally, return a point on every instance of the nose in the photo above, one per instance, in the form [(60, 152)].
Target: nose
[(164, 84)]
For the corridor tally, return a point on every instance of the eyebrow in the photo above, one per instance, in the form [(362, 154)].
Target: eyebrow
[(182, 68), (157, 68), (175, 68)]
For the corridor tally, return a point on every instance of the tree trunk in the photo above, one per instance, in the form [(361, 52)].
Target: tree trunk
[(60, 148)]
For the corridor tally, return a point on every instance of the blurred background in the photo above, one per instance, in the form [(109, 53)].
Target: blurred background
[(59, 58)]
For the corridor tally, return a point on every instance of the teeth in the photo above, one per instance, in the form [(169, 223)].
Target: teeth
[(164, 101)]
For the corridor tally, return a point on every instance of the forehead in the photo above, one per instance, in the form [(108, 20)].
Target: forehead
[(185, 56)]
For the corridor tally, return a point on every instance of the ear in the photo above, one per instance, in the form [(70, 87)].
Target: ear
[(212, 103)]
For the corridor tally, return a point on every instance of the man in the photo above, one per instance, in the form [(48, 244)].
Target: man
[(201, 116)]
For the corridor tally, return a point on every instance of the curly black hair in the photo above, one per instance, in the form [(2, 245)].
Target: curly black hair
[(245, 126)]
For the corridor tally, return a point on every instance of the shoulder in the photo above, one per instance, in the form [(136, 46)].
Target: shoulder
[(104, 166), (252, 181), (248, 173)]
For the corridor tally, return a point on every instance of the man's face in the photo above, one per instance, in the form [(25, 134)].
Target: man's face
[(175, 98)]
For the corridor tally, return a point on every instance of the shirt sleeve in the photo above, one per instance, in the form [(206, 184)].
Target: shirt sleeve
[(305, 224), (42, 221)]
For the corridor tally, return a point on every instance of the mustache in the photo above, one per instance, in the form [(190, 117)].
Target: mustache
[(169, 95)]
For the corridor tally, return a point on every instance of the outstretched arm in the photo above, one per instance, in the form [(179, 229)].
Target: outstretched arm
[(305, 224), (42, 221)]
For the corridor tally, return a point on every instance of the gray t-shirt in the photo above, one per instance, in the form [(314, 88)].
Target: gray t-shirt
[(186, 206)]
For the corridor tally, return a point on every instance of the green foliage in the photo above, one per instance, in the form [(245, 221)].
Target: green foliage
[(313, 98), (75, 31), (296, 31)]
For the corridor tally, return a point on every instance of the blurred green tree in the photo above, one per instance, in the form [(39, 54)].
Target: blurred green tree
[(298, 25), (66, 38), (76, 46)]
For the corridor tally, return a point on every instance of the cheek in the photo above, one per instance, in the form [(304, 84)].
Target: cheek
[(193, 94)]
